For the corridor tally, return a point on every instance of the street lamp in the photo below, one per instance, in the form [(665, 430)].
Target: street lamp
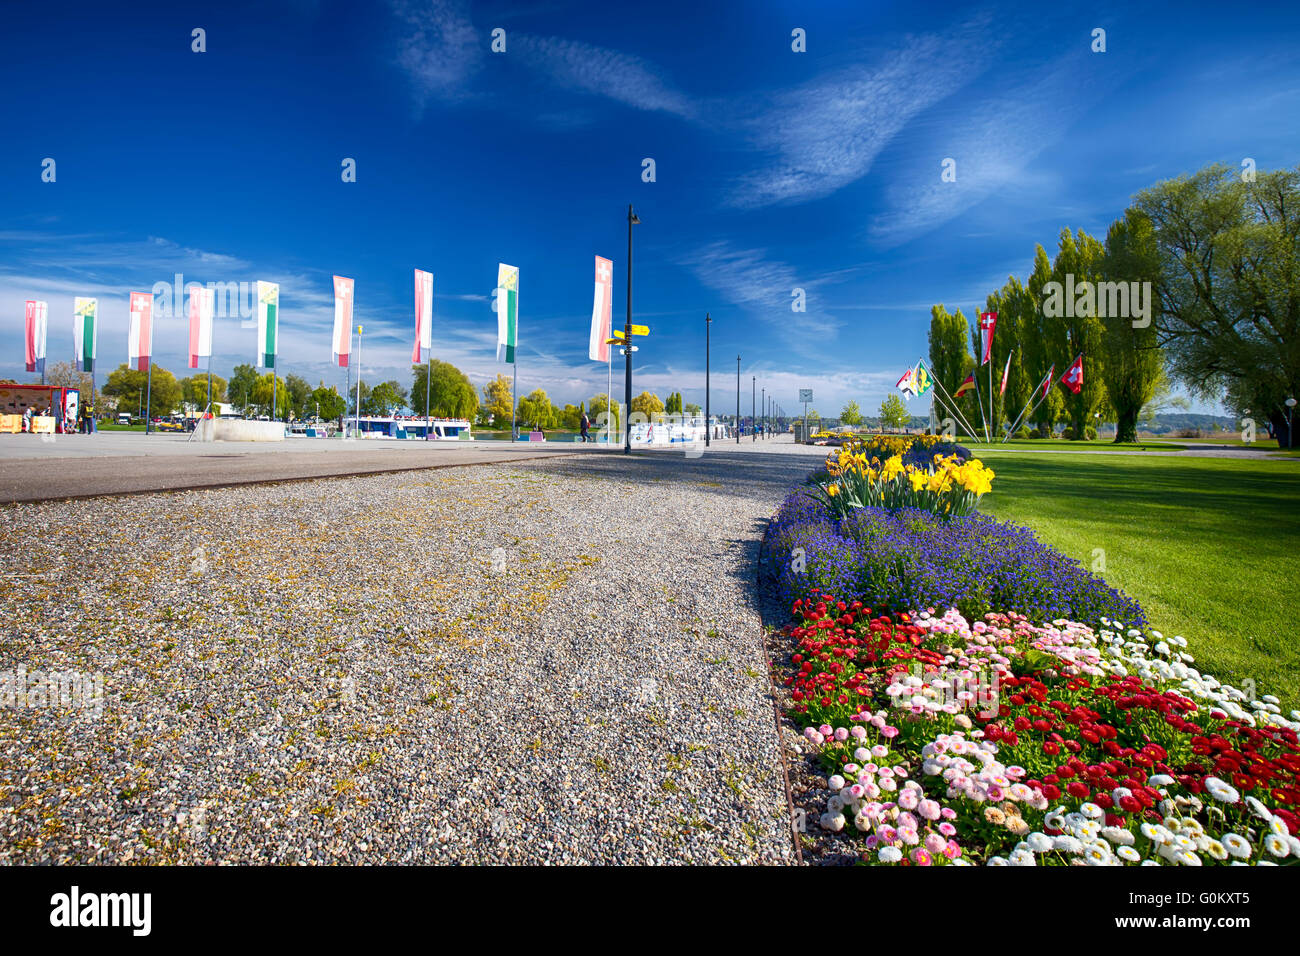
[(737, 399), (764, 405), (632, 220), (1290, 405), (708, 321), (753, 409)]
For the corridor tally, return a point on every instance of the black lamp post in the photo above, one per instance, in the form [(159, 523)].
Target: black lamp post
[(764, 404), (708, 429), (737, 399), (632, 220), (753, 409)]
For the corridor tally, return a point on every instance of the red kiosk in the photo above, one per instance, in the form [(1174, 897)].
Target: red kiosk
[(63, 402)]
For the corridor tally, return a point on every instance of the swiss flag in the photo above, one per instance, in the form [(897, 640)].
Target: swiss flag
[(988, 321), (1073, 377)]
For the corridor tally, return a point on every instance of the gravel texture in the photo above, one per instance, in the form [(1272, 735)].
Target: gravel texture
[(555, 662)]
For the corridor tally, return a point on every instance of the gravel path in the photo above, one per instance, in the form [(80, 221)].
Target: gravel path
[(558, 662)]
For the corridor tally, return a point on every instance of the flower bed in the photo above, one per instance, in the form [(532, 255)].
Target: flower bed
[(1000, 741), (970, 697)]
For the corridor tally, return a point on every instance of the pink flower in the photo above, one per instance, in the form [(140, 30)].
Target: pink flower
[(935, 843), (858, 733), (952, 850), (841, 734), (947, 829), (928, 809), (889, 732), (907, 799), (920, 857)]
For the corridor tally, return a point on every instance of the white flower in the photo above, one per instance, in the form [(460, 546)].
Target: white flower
[(1237, 846), (1128, 854), (1258, 808), (1118, 835), (890, 854), (1092, 811), (1040, 842), (996, 861), (1276, 845), (1160, 780), (1068, 844), (1278, 827), (1216, 849), (1223, 792), (835, 783), (835, 804)]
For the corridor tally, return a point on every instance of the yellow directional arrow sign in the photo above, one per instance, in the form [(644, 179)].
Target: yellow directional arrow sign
[(613, 341), (640, 330), (617, 333)]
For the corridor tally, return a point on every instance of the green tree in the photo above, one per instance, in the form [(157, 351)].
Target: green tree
[(674, 403), (691, 409), (498, 399), (851, 414), (330, 403), (1230, 285), (648, 404), (451, 395), (384, 399), (270, 386), (1134, 363), (893, 412), (536, 409), (129, 386), (1043, 339), (571, 417), (950, 362), (1080, 333), (240, 388), (598, 405), (301, 405), (194, 390)]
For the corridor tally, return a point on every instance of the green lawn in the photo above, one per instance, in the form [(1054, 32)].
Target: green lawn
[(1104, 444), (1210, 547)]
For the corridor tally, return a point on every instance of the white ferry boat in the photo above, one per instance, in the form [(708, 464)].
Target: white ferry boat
[(397, 426)]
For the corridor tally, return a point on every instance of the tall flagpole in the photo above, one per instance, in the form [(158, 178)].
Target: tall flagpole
[(428, 428), (952, 405)]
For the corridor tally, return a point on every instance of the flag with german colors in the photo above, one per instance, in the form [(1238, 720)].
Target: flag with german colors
[(85, 332), (965, 386), (268, 323), (37, 316), (507, 311)]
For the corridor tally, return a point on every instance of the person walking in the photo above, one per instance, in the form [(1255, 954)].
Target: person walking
[(586, 428)]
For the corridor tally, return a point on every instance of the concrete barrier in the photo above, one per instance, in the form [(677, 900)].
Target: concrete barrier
[(236, 429)]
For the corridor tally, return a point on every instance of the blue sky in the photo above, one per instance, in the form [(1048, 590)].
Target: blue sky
[(775, 170)]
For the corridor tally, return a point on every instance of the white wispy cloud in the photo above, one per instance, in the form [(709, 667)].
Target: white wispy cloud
[(440, 50), (602, 72), (828, 132), (993, 146)]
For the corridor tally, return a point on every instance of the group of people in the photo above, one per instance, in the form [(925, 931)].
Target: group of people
[(29, 414)]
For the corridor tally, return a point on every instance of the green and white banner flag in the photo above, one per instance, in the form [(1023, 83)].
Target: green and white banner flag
[(507, 311), (268, 323), (85, 332)]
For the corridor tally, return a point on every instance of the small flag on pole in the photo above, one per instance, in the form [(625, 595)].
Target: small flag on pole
[(1073, 377), (139, 337), (342, 348), (598, 350), (507, 311), (966, 386), (423, 316), (907, 384), (201, 302), (37, 314), (1005, 373), (923, 380), (85, 332), (1045, 386), (268, 323), (988, 321)]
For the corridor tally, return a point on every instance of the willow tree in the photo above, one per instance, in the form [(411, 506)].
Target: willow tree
[(1133, 362), (950, 361), (1229, 292)]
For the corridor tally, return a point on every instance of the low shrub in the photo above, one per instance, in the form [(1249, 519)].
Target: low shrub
[(910, 560)]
